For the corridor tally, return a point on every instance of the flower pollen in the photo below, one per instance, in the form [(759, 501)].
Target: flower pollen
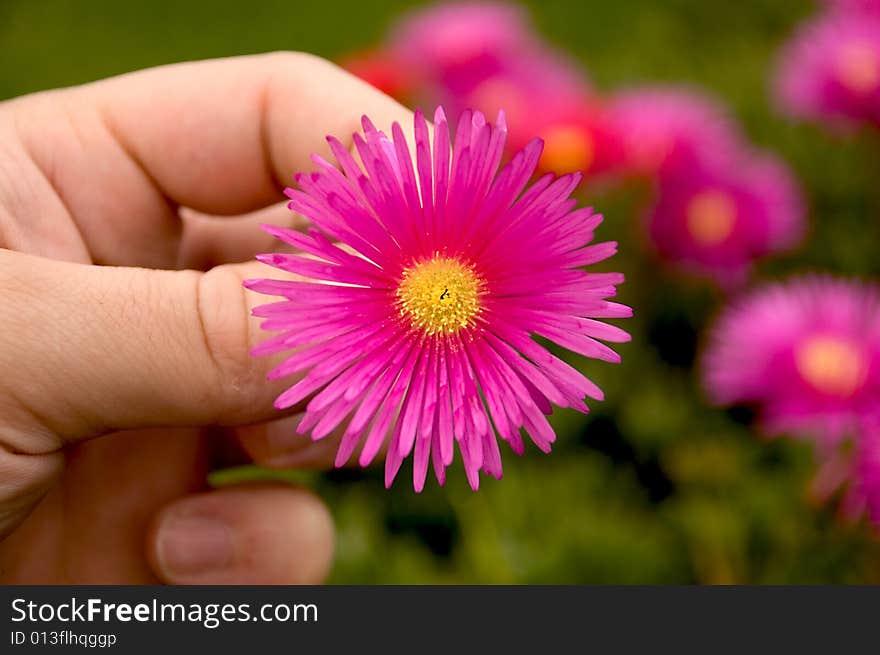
[(440, 295)]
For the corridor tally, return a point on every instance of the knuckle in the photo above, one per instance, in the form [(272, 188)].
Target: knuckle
[(24, 480), (295, 58), (17, 190), (224, 325)]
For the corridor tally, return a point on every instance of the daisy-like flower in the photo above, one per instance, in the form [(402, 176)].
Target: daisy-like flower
[(487, 56), (853, 470), (717, 220), (382, 70), (543, 94), (855, 7), (426, 288), (863, 493), (805, 353), (450, 42), (830, 70), (574, 125), (662, 128)]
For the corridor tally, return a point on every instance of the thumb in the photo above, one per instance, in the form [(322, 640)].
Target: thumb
[(89, 349), (85, 350)]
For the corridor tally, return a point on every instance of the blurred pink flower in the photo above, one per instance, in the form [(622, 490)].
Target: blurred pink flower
[(805, 353), (545, 95), (577, 137), (717, 220), (853, 469), (863, 493), (661, 128), (420, 322), (486, 56), (381, 69), (830, 70), (457, 38), (572, 122), (864, 7), (451, 49), (520, 85)]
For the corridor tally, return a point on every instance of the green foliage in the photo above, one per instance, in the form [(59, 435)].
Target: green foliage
[(654, 486)]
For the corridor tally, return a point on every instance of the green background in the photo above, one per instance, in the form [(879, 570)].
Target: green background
[(654, 486)]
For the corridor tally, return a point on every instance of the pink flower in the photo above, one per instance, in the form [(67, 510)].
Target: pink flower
[(449, 42), (855, 7), (863, 494), (661, 128), (805, 353), (426, 288), (573, 123), (830, 70), (486, 56), (717, 220), (382, 70), (854, 469), (439, 54)]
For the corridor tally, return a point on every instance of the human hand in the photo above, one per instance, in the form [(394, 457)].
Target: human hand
[(101, 188)]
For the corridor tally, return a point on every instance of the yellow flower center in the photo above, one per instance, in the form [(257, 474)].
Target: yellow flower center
[(831, 365), (440, 295), (710, 217), (567, 148), (858, 67)]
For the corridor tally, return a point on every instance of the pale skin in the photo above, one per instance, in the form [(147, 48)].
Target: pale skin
[(129, 209)]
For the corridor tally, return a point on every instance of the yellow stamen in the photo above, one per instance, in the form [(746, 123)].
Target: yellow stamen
[(858, 67), (831, 365), (711, 216), (567, 149), (440, 295)]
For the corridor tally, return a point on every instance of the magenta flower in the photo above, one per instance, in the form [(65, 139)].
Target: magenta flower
[(544, 95), (426, 288), (717, 220), (830, 70), (573, 123), (439, 54), (486, 56), (805, 353), (450, 45), (855, 7), (382, 70), (853, 469), (863, 493), (661, 128), (576, 130)]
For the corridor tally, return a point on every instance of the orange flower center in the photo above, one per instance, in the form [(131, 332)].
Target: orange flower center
[(567, 148), (831, 365), (710, 216), (858, 67)]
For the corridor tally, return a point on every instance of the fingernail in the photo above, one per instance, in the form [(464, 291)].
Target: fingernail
[(194, 545)]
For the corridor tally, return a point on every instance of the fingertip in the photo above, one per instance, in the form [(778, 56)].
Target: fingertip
[(250, 534)]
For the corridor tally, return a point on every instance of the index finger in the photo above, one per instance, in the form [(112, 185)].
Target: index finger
[(224, 136)]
